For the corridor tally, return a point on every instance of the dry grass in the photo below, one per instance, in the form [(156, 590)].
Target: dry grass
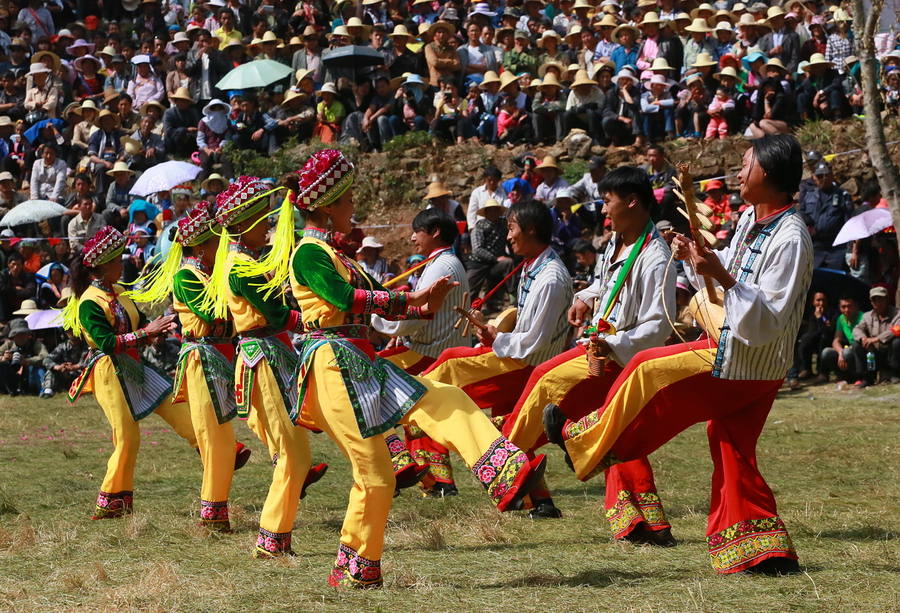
[(832, 459)]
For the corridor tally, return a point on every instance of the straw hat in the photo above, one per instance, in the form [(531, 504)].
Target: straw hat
[(293, 93), (720, 16), (728, 71), (400, 30), (214, 177), (549, 80), (329, 88), (89, 105), (107, 50), (775, 11), (704, 59), (682, 17), (634, 32), (436, 190), (181, 93), (295, 42), (132, 146), (490, 203), (37, 57), (369, 242), (554, 64), (746, 20), (582, 78), (658, 79), (570, 72), (356, 22), (818, 59), (119, 167), (64, 297), (549, 161), (660, 63), (698, 25), (507, 78), (549, 34), (532, 86), (626, 74), (490, 77), (706, 6), (724, 26), (451, 29), (608, 21), (574, 31), (302, 73), (774, 63), (28, 307), (582, 4), (154, 104), (109, 95), (106, 113), (651, 18), (763, 23)]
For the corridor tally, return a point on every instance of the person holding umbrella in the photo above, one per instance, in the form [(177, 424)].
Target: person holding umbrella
[(127, 389)]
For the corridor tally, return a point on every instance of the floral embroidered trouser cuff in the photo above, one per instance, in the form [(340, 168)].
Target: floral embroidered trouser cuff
[(214, 515), (352, 571), (272, 544), (110, 506), (748, 543)]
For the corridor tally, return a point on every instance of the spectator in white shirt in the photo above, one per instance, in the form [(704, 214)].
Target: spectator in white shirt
[(491, 190), (48, 175)]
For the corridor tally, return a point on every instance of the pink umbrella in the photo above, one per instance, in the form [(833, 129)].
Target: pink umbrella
[(864, 225)]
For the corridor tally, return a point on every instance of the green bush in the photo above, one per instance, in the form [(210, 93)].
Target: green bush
[(573, 171), (410, 140)]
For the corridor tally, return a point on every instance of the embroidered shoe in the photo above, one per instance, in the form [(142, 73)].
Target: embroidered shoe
[(314, 475), (354, 572), (241, 455), (554, 423), (341, 578)]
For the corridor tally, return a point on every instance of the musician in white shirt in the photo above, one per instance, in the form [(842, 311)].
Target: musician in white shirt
[(494, 374), (765, 275), (421, 341), (635, 283)]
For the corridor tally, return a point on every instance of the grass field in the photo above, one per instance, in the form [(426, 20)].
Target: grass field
[(833, 459)]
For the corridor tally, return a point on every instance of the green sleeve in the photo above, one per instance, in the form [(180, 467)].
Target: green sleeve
[(188, 289), (314, 269), (273, 309), (94, 322)]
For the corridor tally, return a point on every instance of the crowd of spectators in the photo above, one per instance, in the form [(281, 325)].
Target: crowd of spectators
[(90, 100)]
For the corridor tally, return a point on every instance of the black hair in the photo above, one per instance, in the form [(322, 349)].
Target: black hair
[(180, 57), (492, 171), (869, 190), (582, 246), (50, 147), (659, 148), (226, 10), (627, 180), (531, 214), (722, 88), (430, 220), (251, 97), (128, 43), (256, 19), (15, 255), (205, 32), (447, 80), (124, 96), (84, 177), (781, 158), (847, 298), (79, 276), (9, 74)]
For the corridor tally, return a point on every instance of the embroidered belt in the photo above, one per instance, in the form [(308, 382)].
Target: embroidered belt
[(338, 333), (263, 332), (208, 340)]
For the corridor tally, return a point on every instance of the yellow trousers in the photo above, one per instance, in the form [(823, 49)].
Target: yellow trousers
[(216, 442), (289, 449), (444, 412), (117, 489)]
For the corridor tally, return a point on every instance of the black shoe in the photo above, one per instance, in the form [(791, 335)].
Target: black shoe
[(643, 535), (411, 475), (774, 567), (538, 466), (242, 454), (544, 509), (441, 490), (554, 422)]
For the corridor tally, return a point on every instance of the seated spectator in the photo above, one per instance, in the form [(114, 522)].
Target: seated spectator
[(129, 119), (214, 185), (104, 147), (548, 111), (213, 131), (118, 196), (658, 108), (838, 358), (9, 195), (483, 112), (567, 226), (48, 175), (51, 286), (489, 263), (775, 111), (584, 107), (89, 83), (145, 148), (892, 91), (330, 114), (876, 347), (31, 255), (438, 197), (450, 113), (587, 262), (64, 364), (42, 99), (145, 86), (369, 257), (817, 333), (180, 124), (441, 57), (12, 98), (139, 250), (16, 285), (85, 224), (162, 354), (513, 125), (622, 119), (552, 180), (626, 53), (718, 125), (821, 94), (410, 107), (21, 361), (81, 134), (297, 118)]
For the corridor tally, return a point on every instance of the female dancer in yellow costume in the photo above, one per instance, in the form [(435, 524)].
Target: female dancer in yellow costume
[(205, 373), (126, 388), (355, 396)]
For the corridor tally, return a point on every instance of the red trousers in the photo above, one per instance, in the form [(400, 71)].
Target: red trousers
[(631, 497), (661, 393)]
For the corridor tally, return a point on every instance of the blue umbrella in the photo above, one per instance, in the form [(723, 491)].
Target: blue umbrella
[(33, 132)]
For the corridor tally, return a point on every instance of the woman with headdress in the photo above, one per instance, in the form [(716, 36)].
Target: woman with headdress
[(205, 375), (357, 397), (127, 389)]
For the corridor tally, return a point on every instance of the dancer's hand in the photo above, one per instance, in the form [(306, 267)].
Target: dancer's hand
[(578, 312), (161, 325), (486, 337), (437, 293)]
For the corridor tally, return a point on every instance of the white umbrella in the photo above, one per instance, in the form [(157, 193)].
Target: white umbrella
[(163, 177), (32, 211), (42, 320), (864, 225), (258, 73)]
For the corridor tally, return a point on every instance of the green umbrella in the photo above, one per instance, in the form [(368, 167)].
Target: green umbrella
[(258, 73)]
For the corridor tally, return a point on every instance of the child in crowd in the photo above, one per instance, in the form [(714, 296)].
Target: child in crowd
[(721, 103)]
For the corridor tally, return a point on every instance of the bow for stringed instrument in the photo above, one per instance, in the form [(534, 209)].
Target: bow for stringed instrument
[(707, 306)]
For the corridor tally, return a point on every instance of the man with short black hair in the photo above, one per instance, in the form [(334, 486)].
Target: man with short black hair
[(874, 336), (16, 285), (729, 382), (838, 358)]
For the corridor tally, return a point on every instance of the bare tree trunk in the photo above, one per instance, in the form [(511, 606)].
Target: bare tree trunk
[(865, 27)]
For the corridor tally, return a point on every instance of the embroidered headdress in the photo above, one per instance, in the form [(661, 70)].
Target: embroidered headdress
[(105, 246), (325, 176), (243, 199)]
